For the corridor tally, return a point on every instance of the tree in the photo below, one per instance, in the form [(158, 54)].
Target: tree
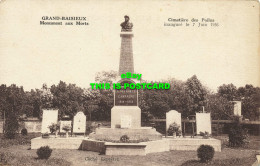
[(90, 101), (46, 97), (219, 107), (14, 104), (156, 103), (177, 96), (186, 97), (228, 91), (250, 97), (103, 98), (3, 102), (196, 95), (67, 98)]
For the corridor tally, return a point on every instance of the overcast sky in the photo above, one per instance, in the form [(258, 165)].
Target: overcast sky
[(32, 54)]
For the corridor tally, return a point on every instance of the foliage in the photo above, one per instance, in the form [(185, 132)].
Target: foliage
[(250, 101), (226, 157), (124, 139), (219, 107), (4, 158), (54, 127), (24, 131), (205, 134), (196, 95), (66, 128), (11, 104), (19, 140), (45, 135), (44, 152), (238, 136), (205, 153), (101, 100), (174, 128), (187, 97), (67, 98), (228, 91), (155, 103), (249, 95), (222, 162), (11, 126), (8, 158)]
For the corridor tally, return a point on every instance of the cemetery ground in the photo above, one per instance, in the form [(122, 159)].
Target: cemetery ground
[(17, 152)]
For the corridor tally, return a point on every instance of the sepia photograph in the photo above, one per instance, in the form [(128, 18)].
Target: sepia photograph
[(120, 82)]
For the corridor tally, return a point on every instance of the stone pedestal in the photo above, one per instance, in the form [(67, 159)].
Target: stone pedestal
[(142, 133), (121, 115)]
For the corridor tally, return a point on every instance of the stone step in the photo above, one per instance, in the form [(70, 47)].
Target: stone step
[(142, 134)]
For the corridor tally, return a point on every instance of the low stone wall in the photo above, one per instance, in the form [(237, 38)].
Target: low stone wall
[(125, 149), (157, 146), (31, 126), (57, 143), (193, 143), (109, 148)]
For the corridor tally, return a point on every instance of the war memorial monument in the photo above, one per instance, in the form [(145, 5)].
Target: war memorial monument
[(126, 121)]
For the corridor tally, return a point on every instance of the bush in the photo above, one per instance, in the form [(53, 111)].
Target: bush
[(174, 128), (66, 128), (3, 158), (45, 135), (9, 135), (238, 137), (44, 152), (54, 127), (205, 153), (24, 132), (124, 138), (205, 134)]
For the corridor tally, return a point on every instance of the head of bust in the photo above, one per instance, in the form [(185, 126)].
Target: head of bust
[(127, 18)]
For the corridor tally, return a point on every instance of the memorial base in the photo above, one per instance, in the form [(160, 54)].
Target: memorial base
[(132, 112), (142, 133)]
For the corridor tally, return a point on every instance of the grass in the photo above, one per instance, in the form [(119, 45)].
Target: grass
[(14, 159), (226, 162), (19, 140), (17, 152), (254, 142)]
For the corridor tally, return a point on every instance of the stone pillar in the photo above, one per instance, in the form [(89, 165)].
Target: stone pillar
[(203, 122), (237, 108), (126, 54)]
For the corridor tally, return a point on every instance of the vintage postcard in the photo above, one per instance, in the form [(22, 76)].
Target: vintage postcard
[(120, 82)]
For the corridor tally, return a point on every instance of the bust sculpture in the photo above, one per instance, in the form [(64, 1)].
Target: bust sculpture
[(126, 25)]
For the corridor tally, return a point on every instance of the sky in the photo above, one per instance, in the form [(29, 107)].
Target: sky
[(32, 54)]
